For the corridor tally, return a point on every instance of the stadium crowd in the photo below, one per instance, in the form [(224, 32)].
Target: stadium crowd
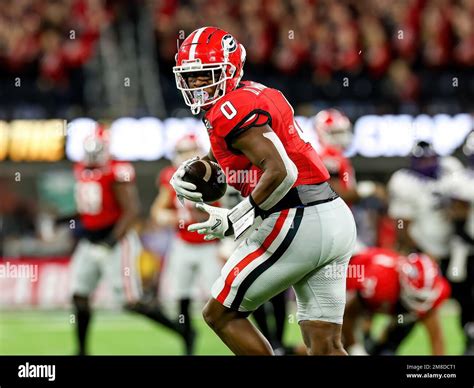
[(407, 51)]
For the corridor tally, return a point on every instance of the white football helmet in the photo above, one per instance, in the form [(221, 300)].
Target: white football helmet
[(333, 128)]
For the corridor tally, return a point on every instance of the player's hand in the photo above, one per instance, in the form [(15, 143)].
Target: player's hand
[(216, 226), (184, 189)]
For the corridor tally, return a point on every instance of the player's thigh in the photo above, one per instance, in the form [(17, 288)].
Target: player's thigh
[(270, 260), (321, 295), (182, 268), (123, 269), (85, 269)]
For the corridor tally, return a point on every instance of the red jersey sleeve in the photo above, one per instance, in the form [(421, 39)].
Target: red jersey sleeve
[(123, 172), (165, 176), (238, 113)]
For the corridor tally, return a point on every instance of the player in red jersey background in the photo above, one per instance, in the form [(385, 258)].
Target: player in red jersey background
[(408, 288), (107, 207), (334, 132), (191, 261)]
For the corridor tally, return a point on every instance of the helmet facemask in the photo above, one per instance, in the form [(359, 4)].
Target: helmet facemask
[(420, 300), (197, 98), (418, 291), (96, 152)]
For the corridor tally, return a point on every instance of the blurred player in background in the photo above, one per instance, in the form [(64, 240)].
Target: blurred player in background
[(303, 226), (409, 289), (367, 199), (191, 257), (107, 206), (334, 132), (417, 205), (415, 202), (459, 268)]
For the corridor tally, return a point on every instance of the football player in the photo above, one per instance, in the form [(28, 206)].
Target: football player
[(459, 269), (190, 256), (107, 206), (334, 135), (334, 131), (408, 288), (291, 223), (415, 202)]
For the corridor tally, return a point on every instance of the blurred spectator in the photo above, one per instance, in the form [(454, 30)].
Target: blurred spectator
[(42, 43), (402, 83), (27, 230), (376, 46), (46, 43), (17, 214)]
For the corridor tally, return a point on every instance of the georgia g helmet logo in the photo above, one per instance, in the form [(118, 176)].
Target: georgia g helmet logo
[(228, 43)]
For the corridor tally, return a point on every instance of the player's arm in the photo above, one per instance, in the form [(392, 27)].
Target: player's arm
[(405, 244), (127, 198), (432, 323), (161, 210), (264, 149), (402, 209), (352, 312), (361, 191), (347, 194)]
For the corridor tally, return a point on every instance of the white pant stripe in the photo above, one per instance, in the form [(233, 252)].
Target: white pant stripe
[(192, 50), (259, 260)]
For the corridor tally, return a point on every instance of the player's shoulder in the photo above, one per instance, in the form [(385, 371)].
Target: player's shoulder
[(370, 253), (240, 108), (384, 257), (247, 91), (450, 164), (332, 152), (403, 180), (122, 171)]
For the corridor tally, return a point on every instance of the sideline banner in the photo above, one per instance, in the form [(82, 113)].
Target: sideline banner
[(41, 283)]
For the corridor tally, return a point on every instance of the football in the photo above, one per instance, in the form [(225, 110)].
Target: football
[(208, 177)]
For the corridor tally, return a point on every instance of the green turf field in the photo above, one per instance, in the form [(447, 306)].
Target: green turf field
[(50, 333)]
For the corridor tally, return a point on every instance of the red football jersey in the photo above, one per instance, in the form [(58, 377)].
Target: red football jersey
[(185, 212), (338, 166), (251, 105), (374, 274), (95, 198)]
